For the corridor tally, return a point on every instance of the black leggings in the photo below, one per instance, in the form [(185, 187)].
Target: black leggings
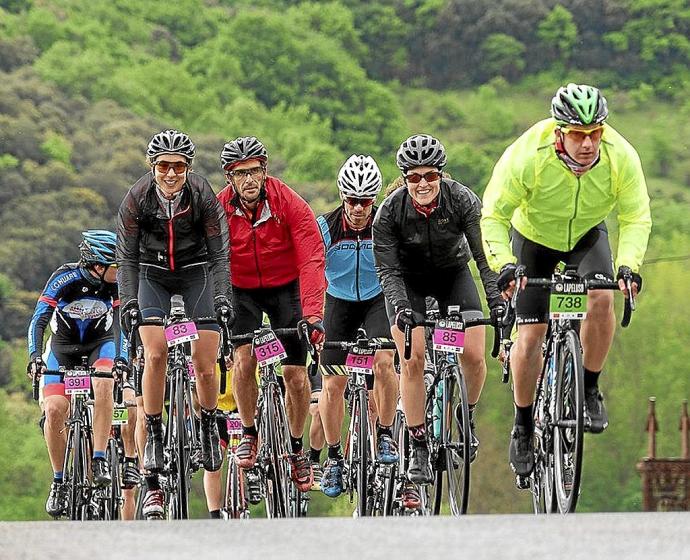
[(193, 283), (591, 255)]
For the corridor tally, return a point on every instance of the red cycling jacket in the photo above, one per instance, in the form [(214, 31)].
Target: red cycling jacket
[(282, 245)]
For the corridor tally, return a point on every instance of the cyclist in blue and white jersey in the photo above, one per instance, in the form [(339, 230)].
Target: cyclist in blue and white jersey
[(78, 301), (354, 299)]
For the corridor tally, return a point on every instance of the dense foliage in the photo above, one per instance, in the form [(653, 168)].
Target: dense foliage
[(85, 83)]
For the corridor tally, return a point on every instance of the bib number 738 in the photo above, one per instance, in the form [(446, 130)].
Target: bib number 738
[(568, 300)]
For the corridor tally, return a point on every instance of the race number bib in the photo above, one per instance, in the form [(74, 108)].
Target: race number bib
[(77, 382), (568, 300), (360, 360), (268, 349), (449, 336), (180, 333), (120, 415)]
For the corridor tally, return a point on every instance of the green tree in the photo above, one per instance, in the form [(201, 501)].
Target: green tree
[(503, 56), (558, 35)]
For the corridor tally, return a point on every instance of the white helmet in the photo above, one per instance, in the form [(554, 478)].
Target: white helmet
[(421, 149), (359, 177)]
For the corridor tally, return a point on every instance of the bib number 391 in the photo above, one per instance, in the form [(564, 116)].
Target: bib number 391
[(77, 382), (568, 300)]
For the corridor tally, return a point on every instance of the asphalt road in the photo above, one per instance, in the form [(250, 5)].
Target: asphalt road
[(649, 536)]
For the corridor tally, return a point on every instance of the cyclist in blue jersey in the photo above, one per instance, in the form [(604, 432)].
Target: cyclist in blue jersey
[(354, 299), (78, 300)]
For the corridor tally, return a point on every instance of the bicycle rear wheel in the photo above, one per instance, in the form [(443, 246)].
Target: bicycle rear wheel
[(568, 423), (456, 439)]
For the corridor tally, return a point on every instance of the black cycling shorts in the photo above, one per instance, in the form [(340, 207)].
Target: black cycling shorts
[(447, 287), (195, 285), (591, 255), (284, 310), (343, 318)]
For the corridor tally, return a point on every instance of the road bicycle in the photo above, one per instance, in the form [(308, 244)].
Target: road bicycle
[(363, 474), (560, 417)]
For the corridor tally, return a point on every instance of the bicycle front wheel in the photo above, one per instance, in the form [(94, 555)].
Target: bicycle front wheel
[(360, 462), (179, 446), (456, 440), (115, 489), (568, 423)]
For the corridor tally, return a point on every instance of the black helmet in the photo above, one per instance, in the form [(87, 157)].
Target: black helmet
[(242, 149)]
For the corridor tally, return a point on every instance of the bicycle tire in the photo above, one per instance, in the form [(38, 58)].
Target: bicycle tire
[(115, 493), (432, 417), (543, 491), (235, 500), (181, 451), (568, 441), (277, 473), (455, 440), (361, 450)]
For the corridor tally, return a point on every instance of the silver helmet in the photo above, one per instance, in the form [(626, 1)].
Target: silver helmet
[(421, 149), (241, 149)]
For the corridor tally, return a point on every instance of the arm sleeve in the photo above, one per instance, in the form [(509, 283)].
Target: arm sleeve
[(502, 196), (217, 242), (311, 258), (471, 214), (634, 215), (45, 306), (386, 257), (127, 253), (121, 350)]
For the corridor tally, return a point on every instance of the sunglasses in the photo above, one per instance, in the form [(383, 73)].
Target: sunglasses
[(363, 202), (582, 132), (429, 177), (241, 175), (178, 167)]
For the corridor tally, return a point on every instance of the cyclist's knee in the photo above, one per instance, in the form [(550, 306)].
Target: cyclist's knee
[(414, 366), (334, 387), (55, 409), (600, 304), (295, 378), (103, 389), (473, 360), (383, 364), (155, 358)]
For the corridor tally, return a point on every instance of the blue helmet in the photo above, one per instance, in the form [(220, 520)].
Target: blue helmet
[(98, 247)]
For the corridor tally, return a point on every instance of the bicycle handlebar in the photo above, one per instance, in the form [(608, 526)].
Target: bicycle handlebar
[(590, 284), (469, 323), (365, 344)]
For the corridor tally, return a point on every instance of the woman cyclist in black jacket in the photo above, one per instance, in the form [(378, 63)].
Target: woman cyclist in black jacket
[(172, 238), (424, 236)]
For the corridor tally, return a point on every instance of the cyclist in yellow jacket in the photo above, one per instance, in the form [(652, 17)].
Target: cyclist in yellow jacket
[(554, 186)]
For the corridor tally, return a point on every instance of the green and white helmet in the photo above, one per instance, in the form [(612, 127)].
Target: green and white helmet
[(579, 105)]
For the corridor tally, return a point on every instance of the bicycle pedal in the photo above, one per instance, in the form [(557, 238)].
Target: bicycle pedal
[(522, 482)]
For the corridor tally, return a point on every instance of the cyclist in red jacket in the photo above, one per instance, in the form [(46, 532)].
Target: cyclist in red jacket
[(278, 268)]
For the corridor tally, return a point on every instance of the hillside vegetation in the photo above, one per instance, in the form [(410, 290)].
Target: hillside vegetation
[(85, 83)]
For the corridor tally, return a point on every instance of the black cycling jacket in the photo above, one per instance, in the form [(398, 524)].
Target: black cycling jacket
[(196, 233), (407, 243)]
